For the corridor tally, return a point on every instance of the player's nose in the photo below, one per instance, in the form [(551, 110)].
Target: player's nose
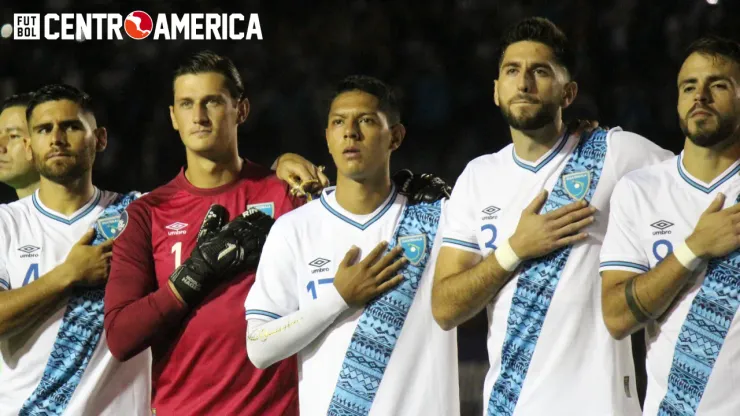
[(58, 136), (200, 115), (351, 131)]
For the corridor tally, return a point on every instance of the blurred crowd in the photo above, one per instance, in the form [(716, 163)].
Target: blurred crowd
[(441, 55)]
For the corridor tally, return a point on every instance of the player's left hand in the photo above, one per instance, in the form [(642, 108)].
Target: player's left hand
[(583, 126), (304, 178), (421, 188)]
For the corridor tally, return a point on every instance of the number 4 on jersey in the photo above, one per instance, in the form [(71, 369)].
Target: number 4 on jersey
[(32, 274)]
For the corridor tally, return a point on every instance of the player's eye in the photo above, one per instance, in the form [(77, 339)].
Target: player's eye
[(720, 86), (337, 122), (511, 71), (15, 136), (213, 102), (541, 72), (688, 89), (186, 104), (368, 120)]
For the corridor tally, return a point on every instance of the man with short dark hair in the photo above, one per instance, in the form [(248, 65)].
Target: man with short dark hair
[(334, 288), (671, 256), (53, 268), (521, 236), (16, 168), (179, 290)]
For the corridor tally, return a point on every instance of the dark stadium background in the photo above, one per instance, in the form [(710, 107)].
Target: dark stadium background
[(441, 56)]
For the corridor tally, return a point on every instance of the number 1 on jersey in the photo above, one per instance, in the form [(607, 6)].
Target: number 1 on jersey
[(177, 249)]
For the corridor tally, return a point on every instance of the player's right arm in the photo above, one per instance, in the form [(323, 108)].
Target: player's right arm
[(631, 298), (24, 306), (278, 328), (136, 308)]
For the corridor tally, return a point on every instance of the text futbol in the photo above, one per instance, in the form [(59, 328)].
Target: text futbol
[(137, 25)]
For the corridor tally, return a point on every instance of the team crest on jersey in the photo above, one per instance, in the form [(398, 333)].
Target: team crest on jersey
[(576, 184), (413, 247), (111, 227), (267, 207)]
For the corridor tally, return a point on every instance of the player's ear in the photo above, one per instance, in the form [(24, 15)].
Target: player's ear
[(570, 90), (495, 93), (173, 119), (242, 110), (101, 139), (398, 133), (27, 148)]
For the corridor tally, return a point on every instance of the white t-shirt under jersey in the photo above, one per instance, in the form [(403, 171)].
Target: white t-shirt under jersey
[(577, 367), (34, 239), (298, 263), (653, 211)]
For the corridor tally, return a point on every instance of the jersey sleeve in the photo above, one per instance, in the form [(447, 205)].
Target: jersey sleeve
[(628, 151), (458, 222), (4, 250), (4, 276), (274, 293), (621, 249), (136, 309)]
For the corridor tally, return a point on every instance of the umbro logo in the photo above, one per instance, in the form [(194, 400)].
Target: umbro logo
[(29, 251), (490, 212), (177, 228), (662, 226), (318, 264)]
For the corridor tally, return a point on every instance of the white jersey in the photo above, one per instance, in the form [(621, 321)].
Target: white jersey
[(653, 210), (35, 240), (577, 368), (297, 266)]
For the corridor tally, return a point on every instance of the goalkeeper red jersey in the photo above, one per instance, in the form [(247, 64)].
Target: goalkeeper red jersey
[(200, 358)]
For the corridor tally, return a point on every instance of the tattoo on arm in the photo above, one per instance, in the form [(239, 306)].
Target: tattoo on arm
[(261, 334), (638, 311)]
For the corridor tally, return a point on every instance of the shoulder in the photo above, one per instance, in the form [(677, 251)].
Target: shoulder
[(649, 178), (627, 140), (261, 178), (485, 164), (16, 209), (301, 216)]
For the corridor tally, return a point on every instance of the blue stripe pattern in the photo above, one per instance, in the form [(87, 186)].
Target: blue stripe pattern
[(702, 335), (371, 221), (547, 160), (699, 186), (382, 320), (64, 220), (4, 284), (631, 265), (537, 282), (263, 313), (460, 243), (78, 336)]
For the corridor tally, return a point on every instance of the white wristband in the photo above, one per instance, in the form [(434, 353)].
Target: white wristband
[(686, 257), (506, 257)]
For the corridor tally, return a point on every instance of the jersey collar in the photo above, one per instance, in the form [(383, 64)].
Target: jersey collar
[(64, 219), (707, 188), (535, 166), (329, 201)]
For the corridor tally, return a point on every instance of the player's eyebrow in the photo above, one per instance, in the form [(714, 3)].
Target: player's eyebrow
[(711, 78), (361, 114), (62, 125)]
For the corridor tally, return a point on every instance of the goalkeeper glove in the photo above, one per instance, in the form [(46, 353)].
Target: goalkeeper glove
[(221, 252), (421, 188)]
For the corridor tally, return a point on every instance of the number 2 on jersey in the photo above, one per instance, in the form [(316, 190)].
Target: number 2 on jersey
[(177, 249), (489, 243)]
